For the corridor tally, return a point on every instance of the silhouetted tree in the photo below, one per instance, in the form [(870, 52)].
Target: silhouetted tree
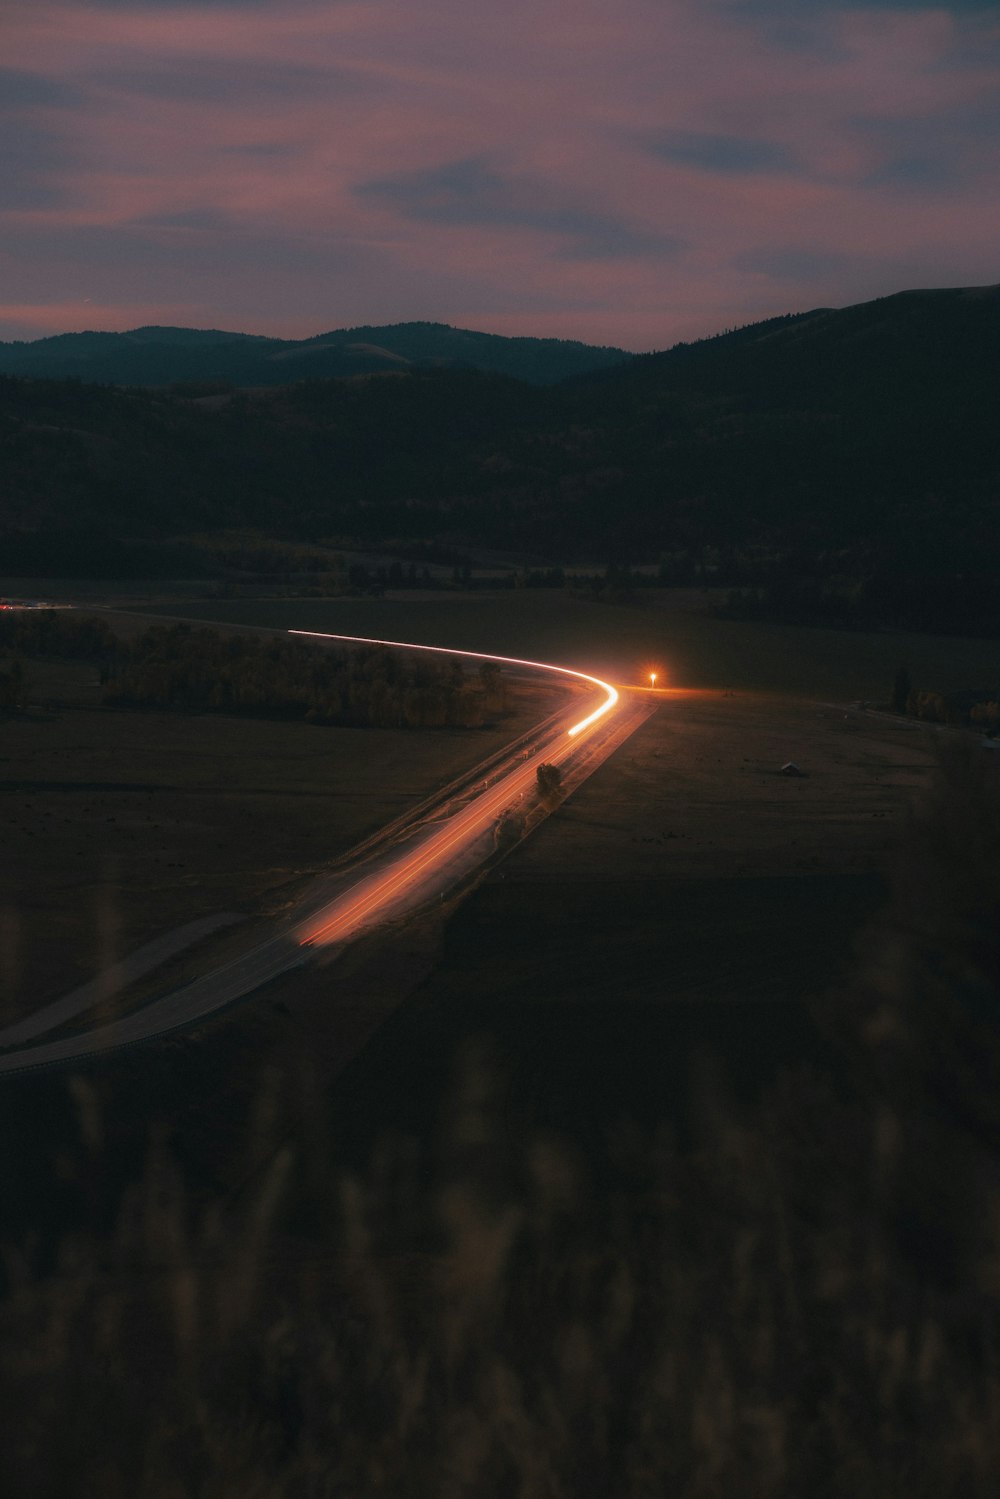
[(549, 778)]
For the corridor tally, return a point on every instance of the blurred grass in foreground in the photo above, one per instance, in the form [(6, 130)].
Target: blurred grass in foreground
[(803, 1300)]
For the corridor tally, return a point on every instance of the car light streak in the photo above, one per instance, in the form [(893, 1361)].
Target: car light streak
[(409, 879), (611, 695), (435, 853), (353, 909)]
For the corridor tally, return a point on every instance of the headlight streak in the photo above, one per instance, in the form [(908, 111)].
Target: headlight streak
[(380, 888), (443, 650), (363, 904)]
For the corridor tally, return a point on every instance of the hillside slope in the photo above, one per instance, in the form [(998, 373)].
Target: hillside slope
[(165, 356), (860, 444)]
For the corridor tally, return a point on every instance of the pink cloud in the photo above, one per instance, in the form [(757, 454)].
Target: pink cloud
[(693, 142)]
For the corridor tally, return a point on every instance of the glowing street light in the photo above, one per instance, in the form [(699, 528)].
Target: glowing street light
[(652, 679)]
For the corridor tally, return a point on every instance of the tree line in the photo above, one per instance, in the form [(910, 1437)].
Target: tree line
[(198, 669)]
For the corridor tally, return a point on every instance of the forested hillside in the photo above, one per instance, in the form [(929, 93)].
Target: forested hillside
[(847, 459)]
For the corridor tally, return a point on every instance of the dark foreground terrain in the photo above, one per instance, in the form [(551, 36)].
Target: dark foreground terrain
[(668, 1161)]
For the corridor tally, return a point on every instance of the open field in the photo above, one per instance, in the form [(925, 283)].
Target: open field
[(118, 826), (122, 826), (687, 886), (686, 900)]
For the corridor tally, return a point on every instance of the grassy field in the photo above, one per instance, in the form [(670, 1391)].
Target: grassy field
[(118, 826), (121, 826), (686, 902), (688, 899)]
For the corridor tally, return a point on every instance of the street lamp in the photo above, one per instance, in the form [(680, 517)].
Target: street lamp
[(652, 679)]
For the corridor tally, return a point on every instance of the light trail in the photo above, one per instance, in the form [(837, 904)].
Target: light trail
[(342, 917), (357, 905), (567, 671), (352, 909)]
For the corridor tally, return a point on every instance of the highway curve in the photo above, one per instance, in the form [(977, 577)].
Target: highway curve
[(420, 865)]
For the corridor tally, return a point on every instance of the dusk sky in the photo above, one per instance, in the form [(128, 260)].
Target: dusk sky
[(634, 173)]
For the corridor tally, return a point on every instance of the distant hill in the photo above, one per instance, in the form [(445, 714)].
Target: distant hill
[(169, 356), (827, 422), (913, 337), (841, 464)]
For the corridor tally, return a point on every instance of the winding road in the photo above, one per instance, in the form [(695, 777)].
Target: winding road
[(411, 865)]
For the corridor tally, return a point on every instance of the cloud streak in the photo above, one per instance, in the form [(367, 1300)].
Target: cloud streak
[(633, 175), (470, 193)]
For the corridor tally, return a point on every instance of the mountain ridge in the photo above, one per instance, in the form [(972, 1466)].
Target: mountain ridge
[(159, 356), (858, 448)]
